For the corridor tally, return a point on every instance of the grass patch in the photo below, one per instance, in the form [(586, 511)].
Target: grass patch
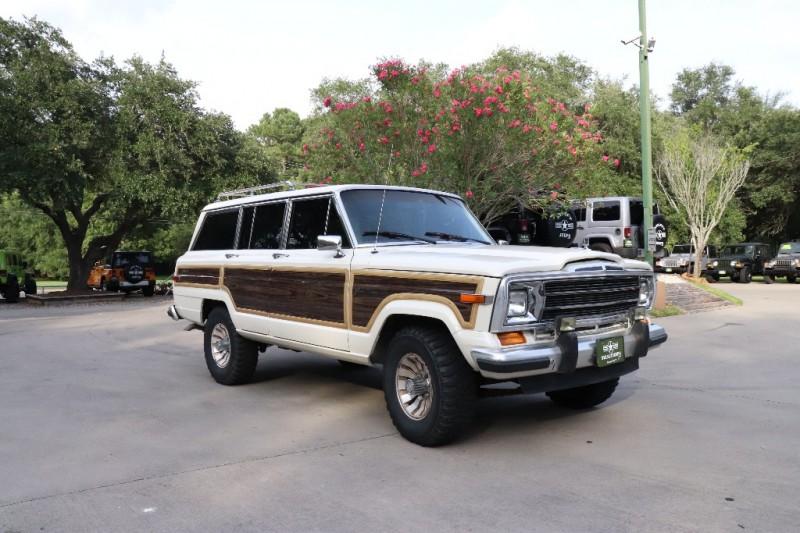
[(668, 310), (717, 292), (51, 283)]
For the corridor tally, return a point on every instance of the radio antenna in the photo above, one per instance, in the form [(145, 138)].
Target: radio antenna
[(383, 199)]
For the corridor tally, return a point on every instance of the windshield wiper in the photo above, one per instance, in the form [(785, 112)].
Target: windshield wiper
[(452, 237), (397, 235)]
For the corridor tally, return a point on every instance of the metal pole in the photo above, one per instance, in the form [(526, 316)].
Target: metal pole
[(644, 121)]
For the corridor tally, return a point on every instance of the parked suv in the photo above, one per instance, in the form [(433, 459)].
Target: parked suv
[(740, 262), (614, 225), (786, 263), (409, 280), (529, 228), (682, 259), (15, 276), (126, 272)]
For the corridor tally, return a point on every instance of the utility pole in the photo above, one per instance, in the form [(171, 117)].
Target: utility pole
[(644, 126)]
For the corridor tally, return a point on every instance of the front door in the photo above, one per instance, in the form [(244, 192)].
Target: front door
[(312, 284)]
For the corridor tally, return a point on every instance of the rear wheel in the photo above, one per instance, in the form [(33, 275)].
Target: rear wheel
[(601, 247), (12, 289), (586, 396), (735, 277), (712, 278), (791, 278), (231, 359), (149, 290), (430, 390)]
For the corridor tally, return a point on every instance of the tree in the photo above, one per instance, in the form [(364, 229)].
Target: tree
[(104, 150), (494, 134), (280, 134), (699, 179)]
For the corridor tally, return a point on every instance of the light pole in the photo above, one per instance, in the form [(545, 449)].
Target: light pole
[(645, 47)]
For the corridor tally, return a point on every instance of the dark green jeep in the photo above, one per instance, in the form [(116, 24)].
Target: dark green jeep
[(740, 262), (14, 276), (786, 263)]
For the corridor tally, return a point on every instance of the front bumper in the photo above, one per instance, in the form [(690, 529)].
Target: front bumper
[(568, 353), (782, 271)]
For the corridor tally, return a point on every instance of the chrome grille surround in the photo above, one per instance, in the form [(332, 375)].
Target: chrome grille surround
[(596, 297)]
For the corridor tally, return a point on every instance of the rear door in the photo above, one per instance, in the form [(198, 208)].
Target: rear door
[(605, 220)]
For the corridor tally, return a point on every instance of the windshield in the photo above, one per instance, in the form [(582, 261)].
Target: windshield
[(738, 250), (410, 216), (126, 258), (682, 249), (789, 248)]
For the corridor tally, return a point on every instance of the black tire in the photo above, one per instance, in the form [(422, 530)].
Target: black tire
[(243, 353), (12, 289), (601, 247), (769, 279), (149, 290), (745, 276), (30, 286), (735, 277), (586, 396), (453, 386), (711, 278), (791, 278)]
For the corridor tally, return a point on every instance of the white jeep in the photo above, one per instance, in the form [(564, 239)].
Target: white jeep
[(409, 280)]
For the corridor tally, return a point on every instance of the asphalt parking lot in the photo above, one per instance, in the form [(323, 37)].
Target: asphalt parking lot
[(109, 421)]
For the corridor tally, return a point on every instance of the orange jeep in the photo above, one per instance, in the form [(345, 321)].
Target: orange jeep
[(126, 272)]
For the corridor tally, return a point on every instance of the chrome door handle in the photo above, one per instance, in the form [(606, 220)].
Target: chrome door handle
[(229, 256), (277, 255)]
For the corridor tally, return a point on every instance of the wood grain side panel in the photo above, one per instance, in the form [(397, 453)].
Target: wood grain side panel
[(305, 295), (370, 291), (201, 276)]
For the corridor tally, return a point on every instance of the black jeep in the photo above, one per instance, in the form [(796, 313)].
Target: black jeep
[(786, 263), (740, 262)]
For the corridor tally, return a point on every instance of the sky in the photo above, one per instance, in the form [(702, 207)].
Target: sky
[(252, 57)]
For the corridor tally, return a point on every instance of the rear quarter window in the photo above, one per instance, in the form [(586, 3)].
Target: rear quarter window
[(605, 211), (218, 231)]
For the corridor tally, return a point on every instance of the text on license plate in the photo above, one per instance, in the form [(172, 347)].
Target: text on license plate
[(609, 351)]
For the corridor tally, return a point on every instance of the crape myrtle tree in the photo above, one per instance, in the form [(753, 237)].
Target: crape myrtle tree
[(105, 150), (498, 136), (700, 178)]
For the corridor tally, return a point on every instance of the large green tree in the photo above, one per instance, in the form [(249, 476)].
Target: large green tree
[(105, 150)]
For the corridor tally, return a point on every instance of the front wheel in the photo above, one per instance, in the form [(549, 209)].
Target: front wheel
[(430, 390), (712, 278), (12, 289), (586, 396), (30, 286), (768, 279), (745, 276), (791, 278), (231, 359), (148, 291)]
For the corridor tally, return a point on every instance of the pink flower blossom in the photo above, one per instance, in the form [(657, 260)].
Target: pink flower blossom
[(554, 195), (384, 140), (605, 157), (515, 123), (383, 74), (499, 89), (362, 146), (553, 126), (616, 163), (327, 101), (478, 111), (526, 128), (431, 148), (437, 92), (469, 193), (367, 99)]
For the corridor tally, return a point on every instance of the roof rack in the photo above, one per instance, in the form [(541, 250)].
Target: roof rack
[(258, 189)]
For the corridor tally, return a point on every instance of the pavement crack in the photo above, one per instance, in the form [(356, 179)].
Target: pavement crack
[(194, 470)]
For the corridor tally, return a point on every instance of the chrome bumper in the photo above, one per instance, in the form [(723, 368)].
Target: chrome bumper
[(568, 353), (128, 284), (172, 312)]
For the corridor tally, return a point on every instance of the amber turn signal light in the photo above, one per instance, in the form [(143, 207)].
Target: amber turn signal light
[(471, 298), (509, 338)]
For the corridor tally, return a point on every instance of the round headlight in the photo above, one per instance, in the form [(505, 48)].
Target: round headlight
[(714, 263), (517, 303), (797, 262), (644, 291)]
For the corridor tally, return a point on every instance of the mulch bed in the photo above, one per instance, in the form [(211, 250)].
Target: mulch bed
[(62, 297)]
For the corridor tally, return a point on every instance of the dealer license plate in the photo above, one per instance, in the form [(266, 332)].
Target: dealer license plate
[(609, 351), (669, 270), (721, 272)]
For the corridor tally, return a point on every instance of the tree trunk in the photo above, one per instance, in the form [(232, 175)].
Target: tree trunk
[(79, 266)]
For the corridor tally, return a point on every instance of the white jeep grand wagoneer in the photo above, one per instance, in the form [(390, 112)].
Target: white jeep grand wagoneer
[(408, 279)]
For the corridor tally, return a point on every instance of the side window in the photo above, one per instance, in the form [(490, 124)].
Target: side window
[(246, 228), (267, 227), (218, 231), (605, 211), (580, 214), (312, 218), (712, 251)]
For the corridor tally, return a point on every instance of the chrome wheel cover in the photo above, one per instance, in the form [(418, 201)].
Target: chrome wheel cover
[(413, 386), (221, 345)]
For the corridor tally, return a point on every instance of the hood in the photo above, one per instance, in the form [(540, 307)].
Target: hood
[(492, 261), (741, 257)]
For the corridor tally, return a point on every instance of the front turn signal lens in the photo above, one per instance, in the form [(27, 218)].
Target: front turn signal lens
[(472, 298), (510, 338)]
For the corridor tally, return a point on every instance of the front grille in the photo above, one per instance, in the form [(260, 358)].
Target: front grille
[(670, 263), (784, 262), (596, 296)]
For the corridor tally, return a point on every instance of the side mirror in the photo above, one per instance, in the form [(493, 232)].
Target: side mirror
[(330, 242), (502, 242)]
